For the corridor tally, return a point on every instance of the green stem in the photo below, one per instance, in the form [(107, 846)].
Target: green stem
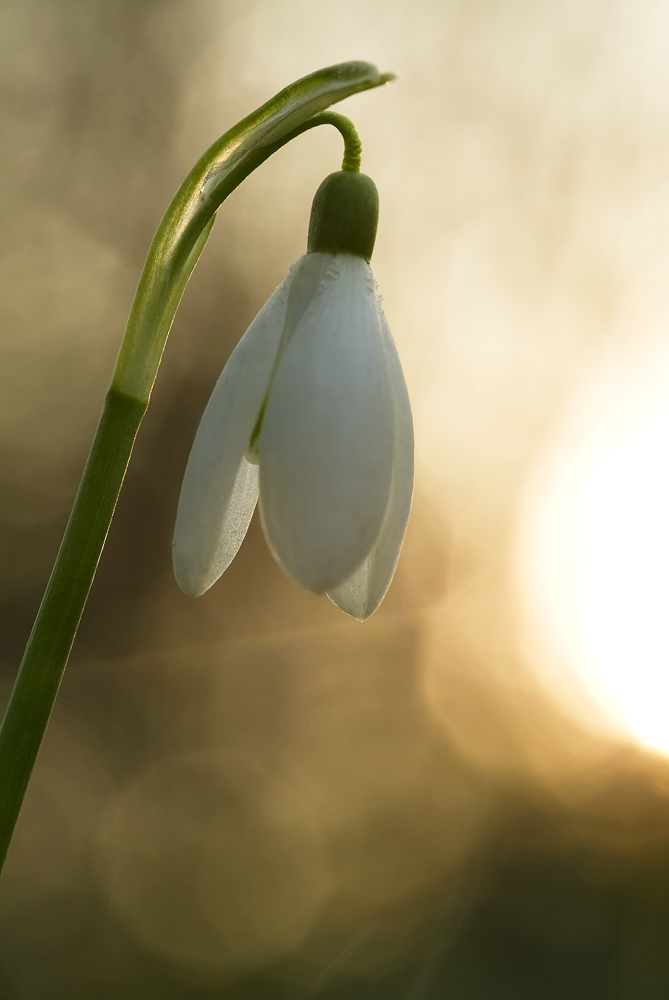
[(175, 249), (58, 617), (352, 145)]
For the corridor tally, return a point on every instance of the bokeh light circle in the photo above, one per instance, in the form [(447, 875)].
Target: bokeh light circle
[(593, 550)]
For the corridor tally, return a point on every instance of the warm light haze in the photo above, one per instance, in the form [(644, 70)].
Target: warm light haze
[(595, 544), (249, 794)]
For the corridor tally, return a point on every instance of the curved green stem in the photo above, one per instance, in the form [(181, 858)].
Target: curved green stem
[(175, 249), (352, 145)]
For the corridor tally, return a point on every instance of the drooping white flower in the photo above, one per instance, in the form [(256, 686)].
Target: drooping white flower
[(311, 414)]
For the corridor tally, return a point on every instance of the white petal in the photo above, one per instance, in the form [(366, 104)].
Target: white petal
[(220, 487), (326, 444), (362, 593)]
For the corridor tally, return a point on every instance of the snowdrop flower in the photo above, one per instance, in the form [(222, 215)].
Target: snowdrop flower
[(311, 414)]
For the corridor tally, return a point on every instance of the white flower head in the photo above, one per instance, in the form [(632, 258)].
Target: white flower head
[(311, 415)]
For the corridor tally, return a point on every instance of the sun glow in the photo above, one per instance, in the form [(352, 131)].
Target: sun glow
[(594, 551)]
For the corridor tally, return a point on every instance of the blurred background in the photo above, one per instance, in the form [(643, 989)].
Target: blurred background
[(250, 795)]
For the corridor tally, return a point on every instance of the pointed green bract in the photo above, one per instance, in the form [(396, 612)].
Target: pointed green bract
[(182, 234)]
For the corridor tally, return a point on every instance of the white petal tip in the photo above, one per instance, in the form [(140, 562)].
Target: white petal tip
[(360, 614), (190, 584), (357, 597)]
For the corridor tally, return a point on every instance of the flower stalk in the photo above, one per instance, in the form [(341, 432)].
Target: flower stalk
[(175, 249)]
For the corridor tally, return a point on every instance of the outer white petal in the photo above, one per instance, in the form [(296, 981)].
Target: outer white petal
[(362, 593), (326, 446), (220, 487)]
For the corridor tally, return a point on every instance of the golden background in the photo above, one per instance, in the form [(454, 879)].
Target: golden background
[(250, 795)]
